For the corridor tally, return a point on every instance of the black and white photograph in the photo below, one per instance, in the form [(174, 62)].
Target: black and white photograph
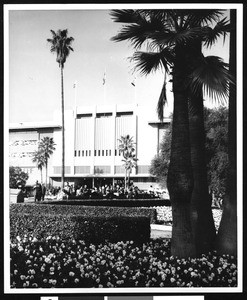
[(123, 149)]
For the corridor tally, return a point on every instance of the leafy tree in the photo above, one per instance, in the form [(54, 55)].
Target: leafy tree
[(39, 159), (47, 147), (216, 151), (61, 46), (160, 163), (127, 149), (17, 177), (174, 39)]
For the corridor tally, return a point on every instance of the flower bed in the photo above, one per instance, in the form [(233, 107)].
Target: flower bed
[(53, 263), (52, 255), (164, 215)]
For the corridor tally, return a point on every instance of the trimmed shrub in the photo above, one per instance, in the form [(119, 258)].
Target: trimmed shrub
[(88, 226), (113, 229), (83, 210)]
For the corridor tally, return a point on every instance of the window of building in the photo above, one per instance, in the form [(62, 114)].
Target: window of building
[(109, 152), (80, 116), (95, 153), (106, 152), (89, 153), (98, 152), (75, 152), (100, 115), (124, 113), (82, 153), (86, 152), (79, 152), (103, 152)]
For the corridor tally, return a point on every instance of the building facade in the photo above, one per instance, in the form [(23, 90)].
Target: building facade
[(92, 136)]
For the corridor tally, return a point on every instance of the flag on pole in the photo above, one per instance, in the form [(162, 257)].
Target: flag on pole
[(74, 85), (134, 82), (104, 78)]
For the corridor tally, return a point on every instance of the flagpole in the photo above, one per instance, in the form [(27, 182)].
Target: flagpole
[(104, 87), (75, 96), (75, 116), (134, 85)]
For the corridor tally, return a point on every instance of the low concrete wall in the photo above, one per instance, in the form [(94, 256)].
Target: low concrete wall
[(161, 231), (13, 195)]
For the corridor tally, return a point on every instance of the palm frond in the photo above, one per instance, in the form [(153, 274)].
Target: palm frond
[(135, 33), (147, 62), (182, 36), (199, 17), (140, 29), (213, 77), (61, 45), (124, 15), (220, 29)]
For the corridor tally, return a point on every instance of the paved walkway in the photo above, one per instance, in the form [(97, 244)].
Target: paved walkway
[(161, 231)]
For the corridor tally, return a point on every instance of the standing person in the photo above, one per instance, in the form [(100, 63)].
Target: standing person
[(43, 191), (37, 191), (67, 189)]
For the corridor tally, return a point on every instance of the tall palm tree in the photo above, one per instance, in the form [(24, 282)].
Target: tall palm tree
[(39, 159), (227, 236), (127, 149), (47, 147), (175, 38), (130, 162), (61, 46), (210, 76)]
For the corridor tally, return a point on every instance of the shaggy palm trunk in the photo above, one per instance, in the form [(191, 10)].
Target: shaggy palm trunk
[(201, 213), (227, 236), (125, 180), (41, 175), (180, 177), (62, 95), (46, 175), (129, 174)]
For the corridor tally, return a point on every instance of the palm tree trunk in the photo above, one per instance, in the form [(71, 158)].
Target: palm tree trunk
[(46, 167), (180, 177), (129, 177), (201, 213), (62, 98), (125, 180), (227, 235)]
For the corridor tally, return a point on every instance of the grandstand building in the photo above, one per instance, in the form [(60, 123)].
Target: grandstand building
[(92, 136)]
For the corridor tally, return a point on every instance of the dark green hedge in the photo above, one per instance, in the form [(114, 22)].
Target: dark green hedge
[(89, 228), (84, 210), (90, 224)]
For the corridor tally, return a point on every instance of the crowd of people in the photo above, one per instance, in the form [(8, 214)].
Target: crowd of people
[(101, 192)]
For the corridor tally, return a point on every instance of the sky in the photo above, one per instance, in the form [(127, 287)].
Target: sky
[(34, 75)]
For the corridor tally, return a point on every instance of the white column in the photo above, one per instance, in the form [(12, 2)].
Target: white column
[(114, 114), (74, 134), (93, 141)]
